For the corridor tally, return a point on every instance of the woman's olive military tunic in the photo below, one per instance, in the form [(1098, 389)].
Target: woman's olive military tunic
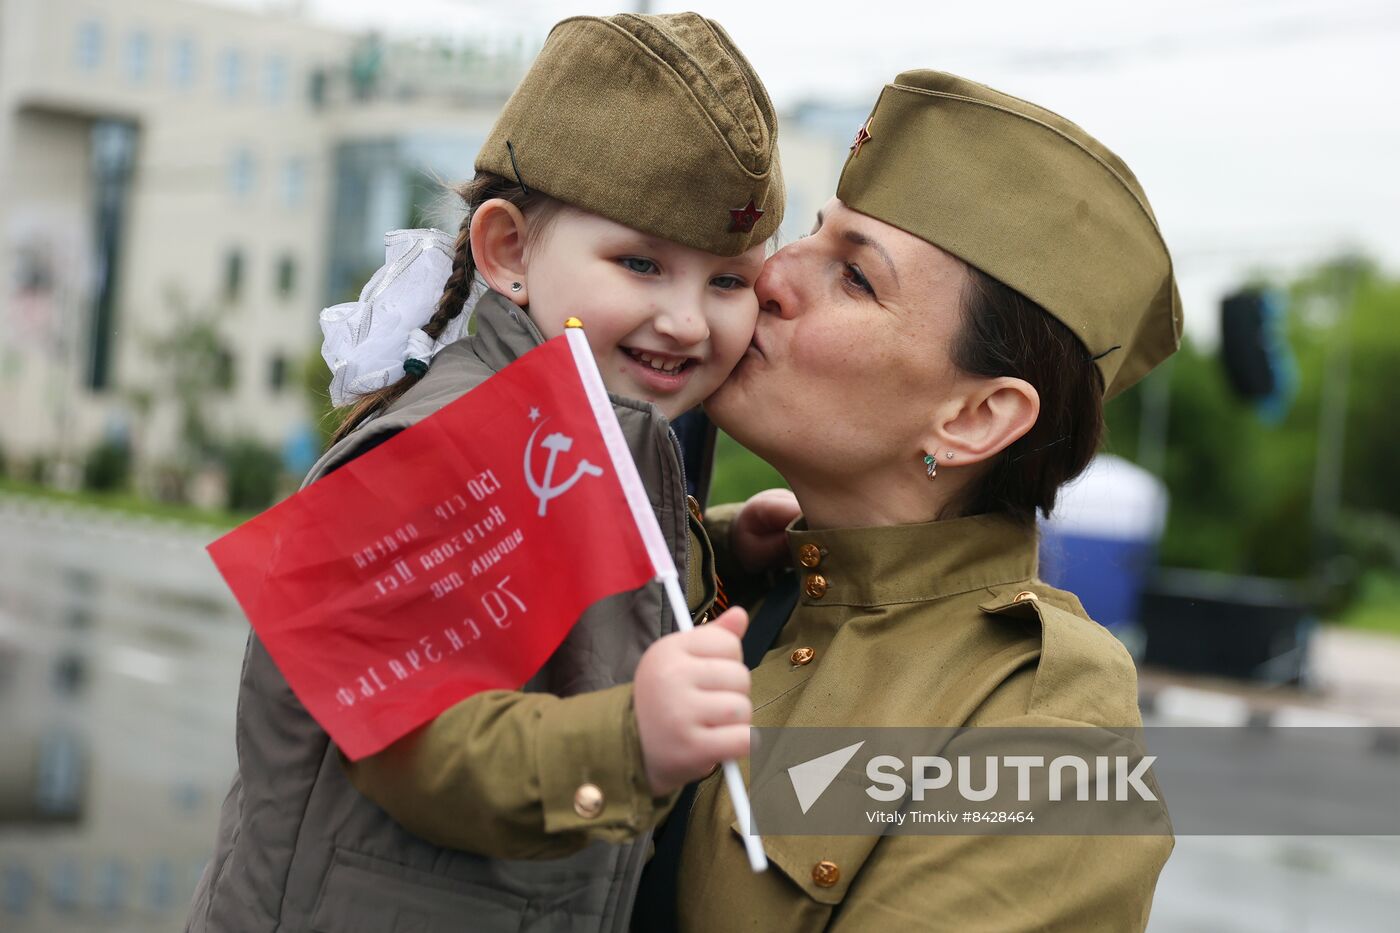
[(937, 624)]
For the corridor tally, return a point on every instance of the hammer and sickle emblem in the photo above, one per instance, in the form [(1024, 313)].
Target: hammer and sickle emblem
[(556, 444)]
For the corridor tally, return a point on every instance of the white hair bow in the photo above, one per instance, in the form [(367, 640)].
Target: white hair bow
[(367, 341)]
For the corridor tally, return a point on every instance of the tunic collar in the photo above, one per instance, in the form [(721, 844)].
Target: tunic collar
[(889, 564)]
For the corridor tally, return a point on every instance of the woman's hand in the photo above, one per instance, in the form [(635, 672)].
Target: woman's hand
[(691, 699), (758, 536)]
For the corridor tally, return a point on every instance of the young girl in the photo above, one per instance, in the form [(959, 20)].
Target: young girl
[(631, 181)]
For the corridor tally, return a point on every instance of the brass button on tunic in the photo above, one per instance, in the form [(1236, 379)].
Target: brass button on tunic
[(803, 656), (815, 586), (588, 801), (809, 555), (826, 873)]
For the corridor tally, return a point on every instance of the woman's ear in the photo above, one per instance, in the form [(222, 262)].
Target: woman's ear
[(993, 415), (498, 248)]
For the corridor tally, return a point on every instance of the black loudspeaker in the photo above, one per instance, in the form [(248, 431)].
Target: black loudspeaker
[(1248, 337)]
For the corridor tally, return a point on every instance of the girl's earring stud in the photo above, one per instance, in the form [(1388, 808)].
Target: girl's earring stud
[(931, 463), (516, 286)]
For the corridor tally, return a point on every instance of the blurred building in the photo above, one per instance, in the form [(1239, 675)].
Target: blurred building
[(183, 187), (166, 165)]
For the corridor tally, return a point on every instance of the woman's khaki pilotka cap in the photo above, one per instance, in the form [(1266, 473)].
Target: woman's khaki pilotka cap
[(655, 122), (1030, 199)]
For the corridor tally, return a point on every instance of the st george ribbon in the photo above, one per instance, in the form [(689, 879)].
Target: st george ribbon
[(456, 556)]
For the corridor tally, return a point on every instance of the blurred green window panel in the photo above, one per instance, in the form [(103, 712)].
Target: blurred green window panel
[(233, 275), (286, 275), (277, 372)]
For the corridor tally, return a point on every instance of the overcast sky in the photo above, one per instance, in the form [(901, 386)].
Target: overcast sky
[(1266, 132)]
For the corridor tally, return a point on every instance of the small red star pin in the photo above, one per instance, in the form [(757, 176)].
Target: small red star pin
[(742, 219), (862, 137)]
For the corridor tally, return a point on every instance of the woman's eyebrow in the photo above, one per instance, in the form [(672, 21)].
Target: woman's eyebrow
[(860, 239)]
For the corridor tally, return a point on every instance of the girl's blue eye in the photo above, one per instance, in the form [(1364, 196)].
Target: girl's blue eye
[(640, 265), (728, 282)]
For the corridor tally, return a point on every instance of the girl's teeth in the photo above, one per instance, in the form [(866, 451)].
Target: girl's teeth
[(658, 364)]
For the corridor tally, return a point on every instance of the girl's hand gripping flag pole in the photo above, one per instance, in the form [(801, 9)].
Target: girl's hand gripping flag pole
[(655, 544)]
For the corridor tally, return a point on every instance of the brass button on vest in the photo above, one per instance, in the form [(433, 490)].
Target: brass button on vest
[(825, 873), (588, 801), (809, 555), (694, 505), (1023, 596), (815, 587), (803, 656)]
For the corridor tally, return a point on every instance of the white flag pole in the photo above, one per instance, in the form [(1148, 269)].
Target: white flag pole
[(655, 542), (733, 779)]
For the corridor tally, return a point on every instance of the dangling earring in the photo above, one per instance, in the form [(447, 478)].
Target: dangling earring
[(515, 286), (931, 462)]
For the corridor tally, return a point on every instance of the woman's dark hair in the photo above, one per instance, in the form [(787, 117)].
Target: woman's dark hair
[(1004, 333), (456, 290)]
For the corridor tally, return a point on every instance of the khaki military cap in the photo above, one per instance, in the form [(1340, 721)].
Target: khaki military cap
[(1029, 198), (655, 122)]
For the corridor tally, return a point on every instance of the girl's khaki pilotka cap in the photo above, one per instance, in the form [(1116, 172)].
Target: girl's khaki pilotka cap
[(1029, 198), (656, 122)]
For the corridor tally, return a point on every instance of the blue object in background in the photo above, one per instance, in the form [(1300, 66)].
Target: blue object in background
[(64, 882), (1273, 407), (17, 892), (1101, 541), (1259, 363), (301, 450), (62, 775), (112, 883), (160, 886)]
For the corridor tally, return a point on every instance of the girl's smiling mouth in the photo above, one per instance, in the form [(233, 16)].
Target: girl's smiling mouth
[(661, 372), (667, 363)]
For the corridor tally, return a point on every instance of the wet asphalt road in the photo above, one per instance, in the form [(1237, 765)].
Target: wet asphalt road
[(119, 642)]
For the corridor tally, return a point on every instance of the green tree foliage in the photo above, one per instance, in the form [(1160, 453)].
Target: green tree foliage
[(1242, 491), (195, 366), (107, 467), (739, 473), (254, 473)]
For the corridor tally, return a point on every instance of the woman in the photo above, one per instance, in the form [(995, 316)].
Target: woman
[(929, 368)]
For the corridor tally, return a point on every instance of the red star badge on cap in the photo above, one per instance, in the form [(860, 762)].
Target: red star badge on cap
[(742, 219), (862, 137)]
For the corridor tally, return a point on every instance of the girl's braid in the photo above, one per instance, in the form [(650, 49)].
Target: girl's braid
[(457, 289)]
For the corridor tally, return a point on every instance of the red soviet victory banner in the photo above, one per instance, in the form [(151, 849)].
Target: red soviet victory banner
[(453, 558)]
